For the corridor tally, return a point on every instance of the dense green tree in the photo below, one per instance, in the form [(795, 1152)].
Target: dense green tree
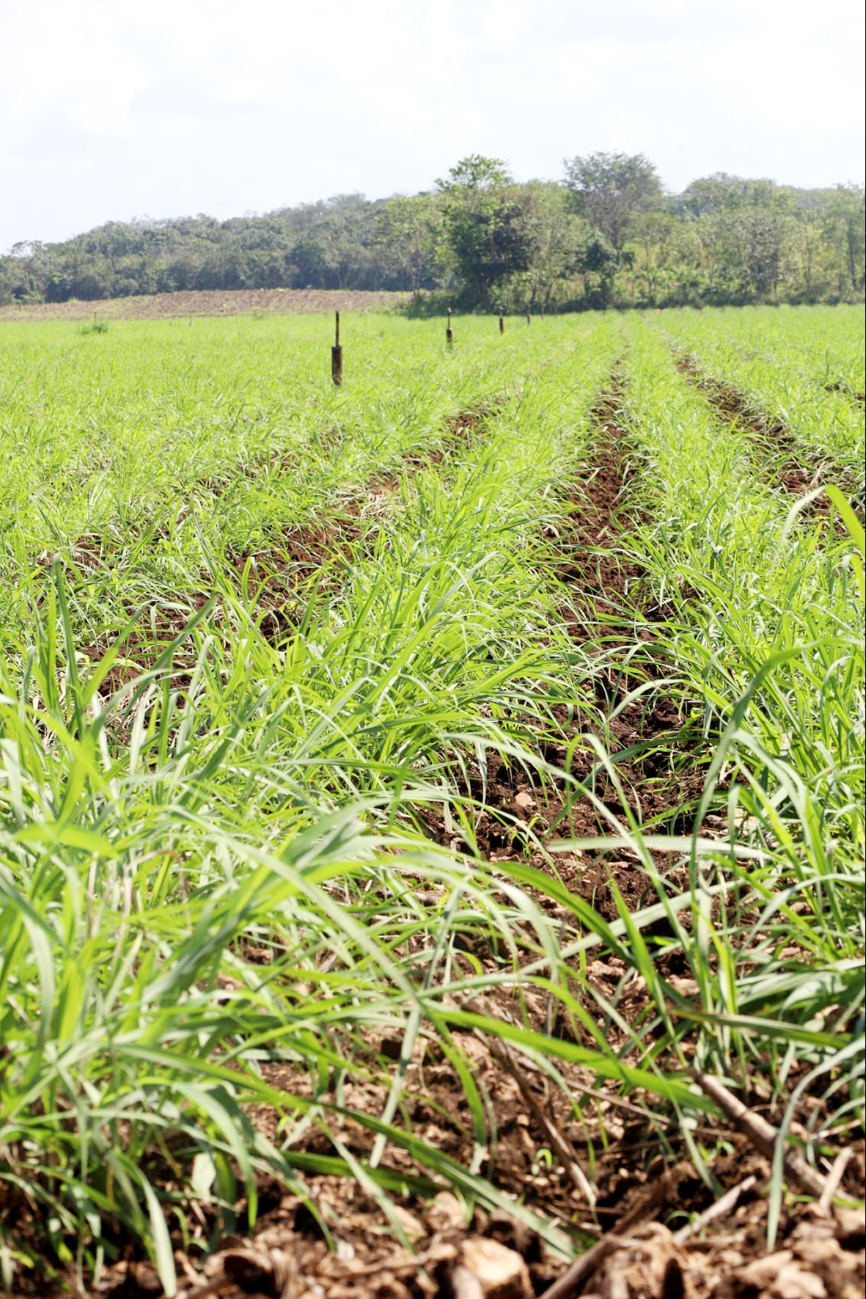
[(597, 266), (609, 188), (807, 272), (845, 228), (555, 238), (484, 225), (747, 230), (605, 236), (409, 236), (654, 236), (764, 223)]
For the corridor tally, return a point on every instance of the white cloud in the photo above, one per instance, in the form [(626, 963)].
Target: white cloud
[(504, 22), (111, 107)]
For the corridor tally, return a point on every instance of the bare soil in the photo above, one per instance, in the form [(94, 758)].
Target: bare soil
[(209, 302), (661, 779)]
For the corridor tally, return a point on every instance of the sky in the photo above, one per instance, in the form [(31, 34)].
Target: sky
[(114, 109)]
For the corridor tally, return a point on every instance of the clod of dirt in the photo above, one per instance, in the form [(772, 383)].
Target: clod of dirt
[(257, 1271), (779, 1275), (136, 1281), (487, 1270), (647, 1267), (445, 1213)]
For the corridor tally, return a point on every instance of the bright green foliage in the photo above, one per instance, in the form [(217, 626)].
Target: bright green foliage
[(159, 447), (151, 831), (484, 228), (803, 370), (725, 239), (609, 188), (766, 632), (216, 771)]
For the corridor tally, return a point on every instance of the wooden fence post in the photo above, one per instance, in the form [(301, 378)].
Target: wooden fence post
[(501, 322), (337, 354)]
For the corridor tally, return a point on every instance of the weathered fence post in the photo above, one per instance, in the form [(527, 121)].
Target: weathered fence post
[(528, 316), (337, 354), (501, 322), (449, 335)]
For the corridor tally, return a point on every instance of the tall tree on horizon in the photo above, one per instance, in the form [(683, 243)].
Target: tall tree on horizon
[(484, 226), (609, 188)]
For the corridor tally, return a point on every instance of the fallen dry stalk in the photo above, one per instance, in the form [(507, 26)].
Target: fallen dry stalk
[(571, 1281), (763, 1136), (723, 1205), (559, 1142), (834, 1178), (582, 1268)]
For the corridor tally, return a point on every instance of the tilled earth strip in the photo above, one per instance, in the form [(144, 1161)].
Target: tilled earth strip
[(288, 1256), (310, 557), (786, 468), (305, 562), (609, 612)]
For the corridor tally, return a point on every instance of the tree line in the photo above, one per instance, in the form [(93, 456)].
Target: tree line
[(605, 235)]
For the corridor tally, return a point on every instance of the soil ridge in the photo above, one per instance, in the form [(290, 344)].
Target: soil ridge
[(783, 465)]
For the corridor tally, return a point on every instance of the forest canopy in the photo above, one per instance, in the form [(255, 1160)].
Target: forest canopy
[(607, 234)]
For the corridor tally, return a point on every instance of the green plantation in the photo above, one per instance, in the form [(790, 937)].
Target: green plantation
[(372, 754)]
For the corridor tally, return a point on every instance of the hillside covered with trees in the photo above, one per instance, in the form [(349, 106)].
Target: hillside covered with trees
[(606, 235)]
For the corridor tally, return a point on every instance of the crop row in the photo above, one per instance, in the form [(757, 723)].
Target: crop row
[(241, 792), (806, 376)]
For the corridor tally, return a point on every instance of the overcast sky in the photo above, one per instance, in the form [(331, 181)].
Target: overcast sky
[(111, 109)]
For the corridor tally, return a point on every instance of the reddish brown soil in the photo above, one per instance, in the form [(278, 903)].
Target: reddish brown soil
[(661, 780), (288, 1258), (209, 302)]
